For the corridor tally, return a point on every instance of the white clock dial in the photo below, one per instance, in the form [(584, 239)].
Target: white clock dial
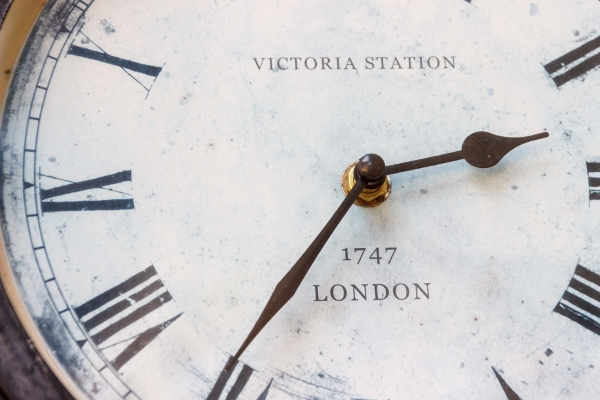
[(166, 164)]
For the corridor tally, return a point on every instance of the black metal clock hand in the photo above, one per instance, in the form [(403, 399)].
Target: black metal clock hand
[(480, 149), (288, 285)]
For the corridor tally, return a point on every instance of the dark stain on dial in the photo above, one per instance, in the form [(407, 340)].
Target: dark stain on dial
[(107, 27)]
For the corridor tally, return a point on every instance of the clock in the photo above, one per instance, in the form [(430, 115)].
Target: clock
[(170, 172)]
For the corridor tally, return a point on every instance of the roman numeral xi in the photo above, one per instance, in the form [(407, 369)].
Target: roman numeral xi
[(576, 303), (575, 63), (49, 205), (115, 310)]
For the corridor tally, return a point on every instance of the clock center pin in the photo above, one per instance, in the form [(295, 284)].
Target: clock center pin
[(369, 168)]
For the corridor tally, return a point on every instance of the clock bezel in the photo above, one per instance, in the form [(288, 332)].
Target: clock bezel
[(27, 369)]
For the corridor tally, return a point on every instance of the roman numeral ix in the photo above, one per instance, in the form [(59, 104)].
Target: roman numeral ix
[(576, 301), (86, 205), (128, 308), (575, 63)]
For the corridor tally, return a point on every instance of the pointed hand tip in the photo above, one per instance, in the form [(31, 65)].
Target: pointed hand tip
[(537, 136), (485, 149), (232, 362)]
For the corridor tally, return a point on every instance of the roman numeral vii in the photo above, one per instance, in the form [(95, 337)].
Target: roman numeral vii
[(115, 310), (239, 384)]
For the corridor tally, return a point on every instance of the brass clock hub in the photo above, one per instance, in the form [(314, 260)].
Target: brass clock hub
[(369, 197)]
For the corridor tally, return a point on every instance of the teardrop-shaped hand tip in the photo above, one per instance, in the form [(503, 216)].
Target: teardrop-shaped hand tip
[(484, 149)]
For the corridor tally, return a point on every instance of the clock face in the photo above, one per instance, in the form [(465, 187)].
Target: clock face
[(164, 165)]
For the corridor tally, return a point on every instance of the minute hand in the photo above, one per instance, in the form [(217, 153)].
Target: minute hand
[(480, 149), (288, 285)]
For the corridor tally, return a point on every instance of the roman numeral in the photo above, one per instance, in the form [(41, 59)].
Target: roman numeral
[(239, 384), (86, 205), (112, 60), (116, 309), (137, 71), (594, 181), (510, 394), (575, 63), (576, 301)]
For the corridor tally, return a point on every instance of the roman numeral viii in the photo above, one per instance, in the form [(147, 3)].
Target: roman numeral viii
[(239, 384), (117, 309), (576, 303), (575, 63), (86, 205)]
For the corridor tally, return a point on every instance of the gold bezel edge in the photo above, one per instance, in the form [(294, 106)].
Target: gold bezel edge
[(16, 28)]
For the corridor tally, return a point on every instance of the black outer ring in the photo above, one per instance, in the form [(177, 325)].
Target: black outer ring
[(23, 373)]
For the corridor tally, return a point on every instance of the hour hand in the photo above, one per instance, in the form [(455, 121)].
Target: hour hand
[(480, 149)]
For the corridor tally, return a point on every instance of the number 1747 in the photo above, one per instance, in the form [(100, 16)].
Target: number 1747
[(375, 255)]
